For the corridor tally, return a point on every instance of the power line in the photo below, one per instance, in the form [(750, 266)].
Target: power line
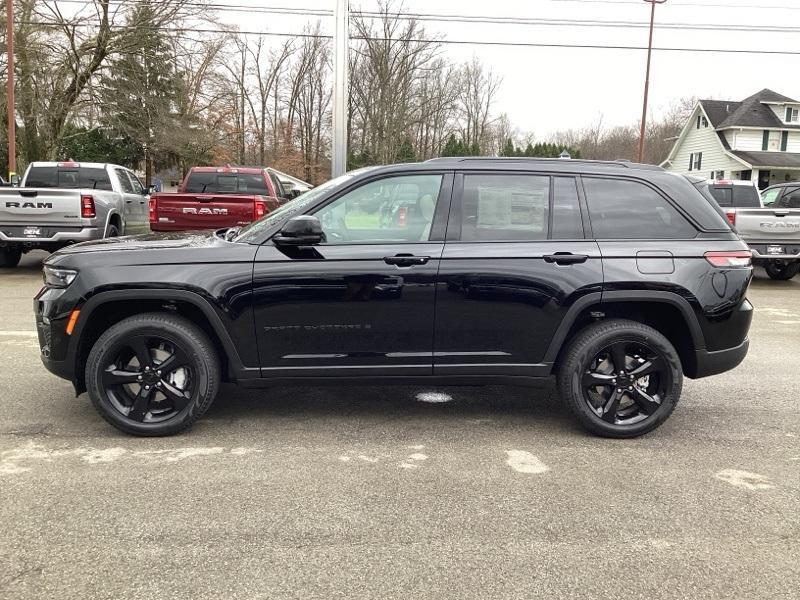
[(434, 41), (482, 19), (692, 4)]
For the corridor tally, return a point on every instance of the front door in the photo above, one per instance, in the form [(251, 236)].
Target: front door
[(362, 303), (763, 179), (515, 261)]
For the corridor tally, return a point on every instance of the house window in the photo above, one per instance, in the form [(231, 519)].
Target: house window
[(792, 114), (717, 174), (771, 140), (701, 121), (695, 161)]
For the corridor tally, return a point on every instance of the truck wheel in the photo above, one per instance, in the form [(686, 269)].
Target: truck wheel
[(620, 378), (152, 374), (112, 231), (10, 256), (782, 272)]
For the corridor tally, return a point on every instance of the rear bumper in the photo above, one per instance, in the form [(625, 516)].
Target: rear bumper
[(81, 235), (791, 251), (715, 362)]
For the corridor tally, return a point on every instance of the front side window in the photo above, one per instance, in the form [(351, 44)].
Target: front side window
[(505, 207), (791, 199), (768, 197), (621, 209), (395, 209)]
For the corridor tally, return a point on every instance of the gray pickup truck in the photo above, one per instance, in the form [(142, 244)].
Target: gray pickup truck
[(61, 203), (769, 224)]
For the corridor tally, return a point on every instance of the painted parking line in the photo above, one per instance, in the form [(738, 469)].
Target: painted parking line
[(20, 333)]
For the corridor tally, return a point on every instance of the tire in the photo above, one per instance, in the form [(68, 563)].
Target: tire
[(113, 231), (10, 256), (782, 272), (592, 357), (173, 400)]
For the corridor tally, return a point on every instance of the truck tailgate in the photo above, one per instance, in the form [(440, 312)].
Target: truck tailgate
[(203, 211), (24, 206), (768, 224)]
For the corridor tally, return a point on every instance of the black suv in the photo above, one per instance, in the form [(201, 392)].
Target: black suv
[(617, 278)]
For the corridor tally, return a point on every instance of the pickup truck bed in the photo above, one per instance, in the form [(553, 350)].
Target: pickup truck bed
[(773, 234)]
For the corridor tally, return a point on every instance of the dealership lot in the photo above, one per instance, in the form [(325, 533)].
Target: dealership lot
[(366, 492)]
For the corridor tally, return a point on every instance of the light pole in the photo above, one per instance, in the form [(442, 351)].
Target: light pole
[(341, 44), (647, 76), (12, 133)]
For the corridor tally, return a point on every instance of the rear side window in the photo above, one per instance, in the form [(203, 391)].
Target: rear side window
[(68, 178), (124, 181), (621, 209), (505, 207), (226, 183)]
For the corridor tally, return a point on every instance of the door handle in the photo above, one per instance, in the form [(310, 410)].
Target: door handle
[(565, 258), (406, 260), (128, 201)]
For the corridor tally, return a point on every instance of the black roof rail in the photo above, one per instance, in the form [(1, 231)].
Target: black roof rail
[(623, 163)]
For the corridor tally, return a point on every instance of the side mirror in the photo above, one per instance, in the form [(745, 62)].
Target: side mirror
[(302, 230), (14, 180), (151, 189)]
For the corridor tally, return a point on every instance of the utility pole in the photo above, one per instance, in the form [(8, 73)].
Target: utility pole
[(341, 16), (647, 76), (12, 130)]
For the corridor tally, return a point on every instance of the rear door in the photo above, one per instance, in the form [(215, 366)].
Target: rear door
[(140, 191), (130, 202), (515, 261)]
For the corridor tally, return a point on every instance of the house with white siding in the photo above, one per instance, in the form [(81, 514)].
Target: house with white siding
[(756, 139)]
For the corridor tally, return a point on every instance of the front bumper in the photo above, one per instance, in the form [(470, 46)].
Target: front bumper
[(713, 362), (56, 348)]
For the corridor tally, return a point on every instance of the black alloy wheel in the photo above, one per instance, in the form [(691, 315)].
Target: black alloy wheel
[(626, 382), (152, 374), (150, 380), (620, 378)]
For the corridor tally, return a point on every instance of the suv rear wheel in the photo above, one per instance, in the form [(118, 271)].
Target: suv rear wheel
[(782, 272), (152, 374), (620, 378)]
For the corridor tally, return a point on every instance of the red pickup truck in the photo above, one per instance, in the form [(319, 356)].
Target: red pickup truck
[(217, 197)]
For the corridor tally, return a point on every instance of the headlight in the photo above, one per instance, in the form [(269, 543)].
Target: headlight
[(57, 277)]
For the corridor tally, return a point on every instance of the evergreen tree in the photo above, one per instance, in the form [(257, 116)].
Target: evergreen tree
[(140, 87)]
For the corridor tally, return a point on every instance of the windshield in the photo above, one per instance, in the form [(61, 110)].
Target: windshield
[(256, 229)]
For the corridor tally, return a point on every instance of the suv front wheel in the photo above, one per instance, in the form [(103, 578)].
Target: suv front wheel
[(152, 374), (620, 378)]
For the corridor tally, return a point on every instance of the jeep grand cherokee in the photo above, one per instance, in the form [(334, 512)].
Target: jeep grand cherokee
[(617, 278)]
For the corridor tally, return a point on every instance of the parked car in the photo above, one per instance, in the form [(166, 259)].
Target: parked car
[(619, 279), (216, 197), (60, 203)]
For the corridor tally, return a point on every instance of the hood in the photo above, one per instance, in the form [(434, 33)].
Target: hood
[(152, 241)]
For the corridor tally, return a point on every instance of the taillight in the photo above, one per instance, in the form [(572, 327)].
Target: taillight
[(87, 207), (401, 216), (738, 258), (259, 209), (152, 209), (731, 216)]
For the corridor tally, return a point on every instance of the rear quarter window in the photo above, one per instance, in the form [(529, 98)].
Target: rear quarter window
[(625, 209), (746, 196)]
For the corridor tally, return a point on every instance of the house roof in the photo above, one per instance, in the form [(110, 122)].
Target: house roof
[(789, 160), (750, 112)]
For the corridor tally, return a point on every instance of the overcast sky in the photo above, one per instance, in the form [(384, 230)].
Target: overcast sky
[(547, 89)]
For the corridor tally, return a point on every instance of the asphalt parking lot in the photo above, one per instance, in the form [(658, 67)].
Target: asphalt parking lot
[(403, 492)]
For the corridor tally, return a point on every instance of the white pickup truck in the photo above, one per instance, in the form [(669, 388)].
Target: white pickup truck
[(61, 203)]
